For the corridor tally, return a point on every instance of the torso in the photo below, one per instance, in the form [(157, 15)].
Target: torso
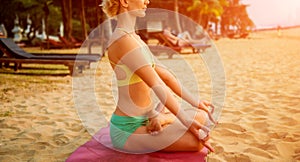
[(133, 99)]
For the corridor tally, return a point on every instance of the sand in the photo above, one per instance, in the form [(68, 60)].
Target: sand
[(259, 120)]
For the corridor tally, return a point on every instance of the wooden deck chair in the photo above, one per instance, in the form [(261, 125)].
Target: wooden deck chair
[(52, 44), (18, 56), (69, 44), (164, 43)]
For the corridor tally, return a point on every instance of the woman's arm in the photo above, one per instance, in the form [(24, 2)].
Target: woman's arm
[(175, 85), (182, 92)]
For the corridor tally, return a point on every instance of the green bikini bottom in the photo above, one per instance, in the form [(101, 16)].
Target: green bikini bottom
[(121, 127)]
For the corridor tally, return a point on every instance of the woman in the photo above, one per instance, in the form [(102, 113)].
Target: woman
[(137, 125), (182, 39)]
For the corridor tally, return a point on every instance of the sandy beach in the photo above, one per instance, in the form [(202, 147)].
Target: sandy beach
[(260, 119)]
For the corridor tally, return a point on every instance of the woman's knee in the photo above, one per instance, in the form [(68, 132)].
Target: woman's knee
[(199, 115)]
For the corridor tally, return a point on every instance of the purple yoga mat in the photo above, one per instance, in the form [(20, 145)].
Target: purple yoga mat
[(94, 151)]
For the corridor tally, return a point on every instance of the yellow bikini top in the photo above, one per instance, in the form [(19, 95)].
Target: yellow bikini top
[(131, 77)]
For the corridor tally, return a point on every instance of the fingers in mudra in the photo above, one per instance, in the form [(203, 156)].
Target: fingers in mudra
[(204, 106), (156, 124)]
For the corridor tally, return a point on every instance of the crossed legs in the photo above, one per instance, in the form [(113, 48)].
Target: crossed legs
[(174, 137)]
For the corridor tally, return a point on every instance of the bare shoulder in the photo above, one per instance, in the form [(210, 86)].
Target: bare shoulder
[(122, 45)]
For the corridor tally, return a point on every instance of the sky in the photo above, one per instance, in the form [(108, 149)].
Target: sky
[(271, 13)]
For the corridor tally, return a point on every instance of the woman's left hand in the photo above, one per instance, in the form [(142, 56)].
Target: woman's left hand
[(156, 124)]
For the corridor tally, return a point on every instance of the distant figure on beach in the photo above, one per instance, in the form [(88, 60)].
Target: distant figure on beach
[(181, 39), (279, 31), (138, 124)]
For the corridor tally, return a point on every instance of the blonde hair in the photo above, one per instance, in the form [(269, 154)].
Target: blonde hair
[(111, 7)]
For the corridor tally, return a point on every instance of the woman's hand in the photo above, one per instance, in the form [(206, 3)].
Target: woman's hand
[(195, 128), (203, 105), (156, 124)]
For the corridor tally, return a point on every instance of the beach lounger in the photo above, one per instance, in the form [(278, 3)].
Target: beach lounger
[(75, 67), (12, 50), (52, 44), (164, 44), (99, 148), (18, 56), (69, 44)]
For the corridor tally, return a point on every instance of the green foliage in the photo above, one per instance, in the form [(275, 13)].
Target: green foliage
[(54, 20), (7, 15), (22, 8), (206, 7), (38, 9), (195, 6), (224, 3), (207, 10), (77, 29)]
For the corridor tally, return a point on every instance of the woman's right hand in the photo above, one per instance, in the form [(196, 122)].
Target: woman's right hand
[(195, 127)]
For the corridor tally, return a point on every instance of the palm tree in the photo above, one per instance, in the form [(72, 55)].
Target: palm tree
[(204, 11), (235, 20), (37, 9)]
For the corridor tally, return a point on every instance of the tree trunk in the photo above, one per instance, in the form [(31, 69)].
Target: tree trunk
[(177, 16), (83, 21), (47, 12), (98, 11), (66, 9)]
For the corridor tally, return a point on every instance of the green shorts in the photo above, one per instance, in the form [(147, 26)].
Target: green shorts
[(121, 127)]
